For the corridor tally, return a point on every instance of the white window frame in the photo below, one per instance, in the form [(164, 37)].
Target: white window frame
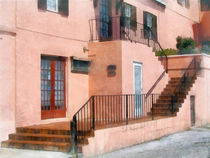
[(50, 8)]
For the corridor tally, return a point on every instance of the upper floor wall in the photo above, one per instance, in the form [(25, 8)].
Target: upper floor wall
[(173, 19), (33, 16)]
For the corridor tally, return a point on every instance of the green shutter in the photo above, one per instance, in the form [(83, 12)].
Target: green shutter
[(42, 4), (118, 5), (187, 3), (95, 3), (64, 7), (154, 26), (133, 19)]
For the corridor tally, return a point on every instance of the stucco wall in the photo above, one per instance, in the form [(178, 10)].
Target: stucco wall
[(102, 55), (110, 139), (7, 85), (172, 21), (204, 26), (151, 68), (29, 48)]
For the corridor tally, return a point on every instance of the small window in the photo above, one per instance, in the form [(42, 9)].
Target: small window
[(205, 5), (128, 16), (185, 3), (150, 23), (80, 65), (52, 5), (57, 6)]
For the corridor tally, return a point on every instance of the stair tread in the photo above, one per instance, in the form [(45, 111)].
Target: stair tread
[(41, 135), (37, 142)]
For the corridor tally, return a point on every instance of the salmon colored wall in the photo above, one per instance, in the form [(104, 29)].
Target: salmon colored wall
[(204, 26), (7, 68), (151, 68), (29, 48), (172, 21), (7, 16), (43, 32), (111, 139), (75, 26), (7, 86), (103, 54)]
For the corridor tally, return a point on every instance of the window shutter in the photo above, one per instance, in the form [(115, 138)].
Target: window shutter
[(122, 17), (187, 3), (42, 4), (133, 18), (95, 3), (64, 7), (154, 26), (118, 5)]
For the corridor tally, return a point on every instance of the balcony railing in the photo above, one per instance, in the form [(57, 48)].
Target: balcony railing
[(120, 28)]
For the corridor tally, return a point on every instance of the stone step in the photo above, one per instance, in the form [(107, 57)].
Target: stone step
[(37, 145)]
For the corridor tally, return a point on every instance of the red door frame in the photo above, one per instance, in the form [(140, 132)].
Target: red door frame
[(53, 112)]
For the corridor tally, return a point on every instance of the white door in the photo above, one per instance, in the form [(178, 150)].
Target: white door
[(138, 109)]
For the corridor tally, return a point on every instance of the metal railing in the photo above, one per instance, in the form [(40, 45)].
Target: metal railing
[(121, 28), (184, 83), (100, 111)]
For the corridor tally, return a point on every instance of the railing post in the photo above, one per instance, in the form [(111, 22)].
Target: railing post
[(152, 107), (93, 111), (73, 125), (148, 37), (172, 105), (166, 64), (126, 109)]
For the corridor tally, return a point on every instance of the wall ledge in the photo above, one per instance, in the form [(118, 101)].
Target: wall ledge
[(5, 30)]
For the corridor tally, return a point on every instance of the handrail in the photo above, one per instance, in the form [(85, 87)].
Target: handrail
[(102, 110), (155, 84), (121, 30), (184, 82), (156, 40)]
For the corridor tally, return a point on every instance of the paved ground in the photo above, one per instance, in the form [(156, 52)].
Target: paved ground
[(194, 143)]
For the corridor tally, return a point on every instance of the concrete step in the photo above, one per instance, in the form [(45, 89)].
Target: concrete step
[(36, 145)]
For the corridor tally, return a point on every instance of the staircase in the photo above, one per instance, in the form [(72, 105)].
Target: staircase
[(163, 105), (176, 91), (50, 137)]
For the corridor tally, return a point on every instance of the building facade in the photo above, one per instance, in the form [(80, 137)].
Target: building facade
[(56, 54)]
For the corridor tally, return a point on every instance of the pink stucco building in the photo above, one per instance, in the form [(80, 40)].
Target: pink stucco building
[(56, 54)]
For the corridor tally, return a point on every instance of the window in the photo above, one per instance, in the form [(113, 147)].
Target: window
[(185, 3), (80, 65), (105, 22), (52, 5), (58, 6), (150, 23), (206, 47), (128, 16), (205, 5), (161, 2)]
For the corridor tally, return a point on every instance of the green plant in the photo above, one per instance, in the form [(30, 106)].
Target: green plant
[(185, 43), (167, 52)]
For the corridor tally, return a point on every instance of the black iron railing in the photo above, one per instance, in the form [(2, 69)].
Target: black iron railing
[(184, 83), (100, 111), (120, 28)]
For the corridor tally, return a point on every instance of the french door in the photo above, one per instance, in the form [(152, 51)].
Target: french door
[(53, 104), (105, 20)]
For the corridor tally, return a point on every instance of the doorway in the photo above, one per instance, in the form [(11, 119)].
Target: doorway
[(192, 110), (53, 103), (137, 69)]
